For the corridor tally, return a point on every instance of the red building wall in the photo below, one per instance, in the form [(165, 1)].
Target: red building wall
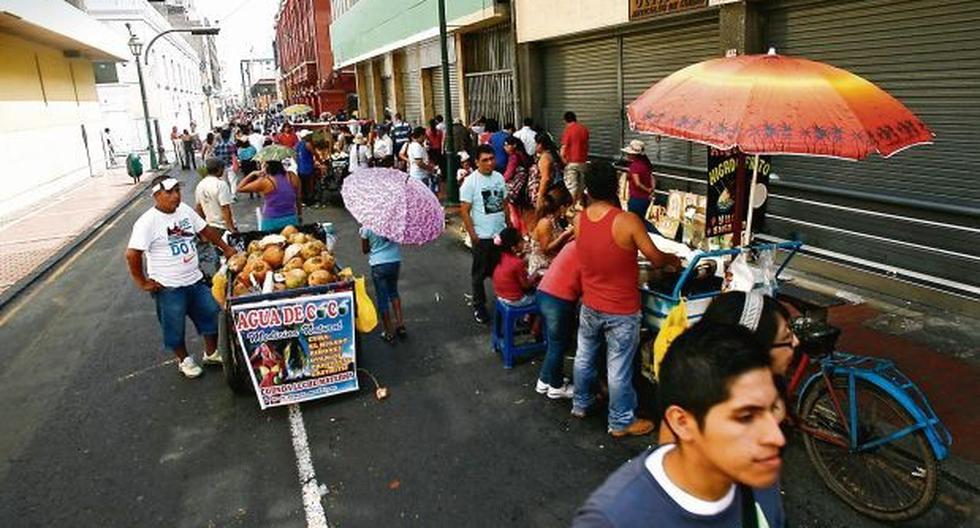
[(306, 60)]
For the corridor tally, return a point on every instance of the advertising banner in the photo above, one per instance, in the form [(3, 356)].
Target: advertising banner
[(723, 172), (298, 349)]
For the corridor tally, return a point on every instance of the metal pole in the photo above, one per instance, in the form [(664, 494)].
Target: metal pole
[(452, 193), (747, 234), (146, 116), (241, 69)]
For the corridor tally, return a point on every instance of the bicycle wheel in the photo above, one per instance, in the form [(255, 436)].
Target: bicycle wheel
[(892, 482)]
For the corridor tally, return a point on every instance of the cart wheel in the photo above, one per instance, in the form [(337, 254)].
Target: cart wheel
[(235, 376)]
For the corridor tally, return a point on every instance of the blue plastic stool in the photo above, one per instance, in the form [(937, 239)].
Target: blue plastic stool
[(505, 318)]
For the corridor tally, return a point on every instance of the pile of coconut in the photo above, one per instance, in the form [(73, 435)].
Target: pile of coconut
[(288, 260)]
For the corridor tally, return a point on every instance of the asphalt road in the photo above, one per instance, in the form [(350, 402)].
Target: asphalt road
[(100, 430)]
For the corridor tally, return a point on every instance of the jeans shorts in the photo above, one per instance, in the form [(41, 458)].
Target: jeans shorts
[(174, 305), (385, 278)]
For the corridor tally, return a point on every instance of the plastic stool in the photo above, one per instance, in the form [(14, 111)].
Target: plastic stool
[(505, 318)]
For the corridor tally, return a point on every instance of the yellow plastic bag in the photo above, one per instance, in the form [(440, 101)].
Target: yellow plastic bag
[(367, 315), (673, 326)]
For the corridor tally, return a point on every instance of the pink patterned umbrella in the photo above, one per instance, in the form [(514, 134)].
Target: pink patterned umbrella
[(393, 205)]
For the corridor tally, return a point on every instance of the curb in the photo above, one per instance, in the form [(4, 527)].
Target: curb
[(11, 293)]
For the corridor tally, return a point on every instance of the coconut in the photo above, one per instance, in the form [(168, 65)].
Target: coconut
[(298, 238), (312, 249), (329, 262), (239, 289), (291, 251), (320, 277), (237, 262), (289, 231), (259, 269), (295, 278), (254, 246), (313, 264), (273, 256), (293, 263), (252, 257), (268, 240)]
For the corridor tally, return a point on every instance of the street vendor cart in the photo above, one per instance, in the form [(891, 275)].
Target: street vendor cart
[(294, 343)]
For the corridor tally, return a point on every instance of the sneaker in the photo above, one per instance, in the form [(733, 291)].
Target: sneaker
[(481, 316), (639, 427), (564, 393), (211, 359), (542, 387), (189, 368), (578, 413)]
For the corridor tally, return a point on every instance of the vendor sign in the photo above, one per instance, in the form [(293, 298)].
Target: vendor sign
[(299, 349), (722, 188)]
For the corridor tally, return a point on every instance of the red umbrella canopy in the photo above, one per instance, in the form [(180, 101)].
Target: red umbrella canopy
[(773, 104)]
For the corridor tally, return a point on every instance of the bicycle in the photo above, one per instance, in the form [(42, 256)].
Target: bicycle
[(868, 429)]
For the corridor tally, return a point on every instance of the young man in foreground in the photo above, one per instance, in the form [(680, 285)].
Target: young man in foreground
[(719, 399)]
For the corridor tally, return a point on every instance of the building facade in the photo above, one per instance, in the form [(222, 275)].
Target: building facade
[(911, 220), (394, 47), (305, 60), (48, 99), (175, 74)]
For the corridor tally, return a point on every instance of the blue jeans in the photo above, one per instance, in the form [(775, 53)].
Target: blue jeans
[(385, 278), (558, 315), (174, 305), (621, 334)]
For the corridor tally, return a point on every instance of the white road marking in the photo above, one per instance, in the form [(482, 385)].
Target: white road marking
[(133, 374), (315, 516)]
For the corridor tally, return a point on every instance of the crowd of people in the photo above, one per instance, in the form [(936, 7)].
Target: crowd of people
[(547, 231)]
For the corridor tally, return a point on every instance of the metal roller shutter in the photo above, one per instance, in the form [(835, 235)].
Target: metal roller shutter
[(654, 54), (411, 86), (583, 77), (438, 98), (911, 211)]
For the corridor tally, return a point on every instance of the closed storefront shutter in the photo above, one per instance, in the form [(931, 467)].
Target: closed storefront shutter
[(582, 77), (648, 57), (411, 86), (917, 210), (438, 96)]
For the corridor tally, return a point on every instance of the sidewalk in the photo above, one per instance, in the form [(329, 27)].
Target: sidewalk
[(28, 242)]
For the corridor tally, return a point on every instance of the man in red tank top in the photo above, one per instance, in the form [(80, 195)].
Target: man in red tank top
[(608, 239)]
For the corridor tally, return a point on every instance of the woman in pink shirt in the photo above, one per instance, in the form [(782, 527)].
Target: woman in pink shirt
[(557, 297)]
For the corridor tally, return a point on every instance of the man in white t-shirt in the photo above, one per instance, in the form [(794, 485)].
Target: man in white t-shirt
[(527, 134), (165, 234), (213, 201), (419, 166)]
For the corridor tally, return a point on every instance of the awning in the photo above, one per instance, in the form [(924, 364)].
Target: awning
[(62, 26)]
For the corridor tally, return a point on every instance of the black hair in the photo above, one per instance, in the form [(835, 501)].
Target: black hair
[(225, 133), (439, 118), (701, 364), (274, 167), (492, 125), (432, 124), (509, 238), (516, 142), (209, 138), (602, 185), (727, 309), (418, 132), (528, 122), (484, 149), (555, 199), (509, 126), (545, 140), (570, 116)]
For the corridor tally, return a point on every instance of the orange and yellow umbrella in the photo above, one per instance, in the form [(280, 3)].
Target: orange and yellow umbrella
[(774, 104)]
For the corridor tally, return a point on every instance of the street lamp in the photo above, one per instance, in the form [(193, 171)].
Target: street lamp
[(135, 46)]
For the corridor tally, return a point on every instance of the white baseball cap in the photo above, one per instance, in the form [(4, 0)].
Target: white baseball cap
[(165, 185)]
